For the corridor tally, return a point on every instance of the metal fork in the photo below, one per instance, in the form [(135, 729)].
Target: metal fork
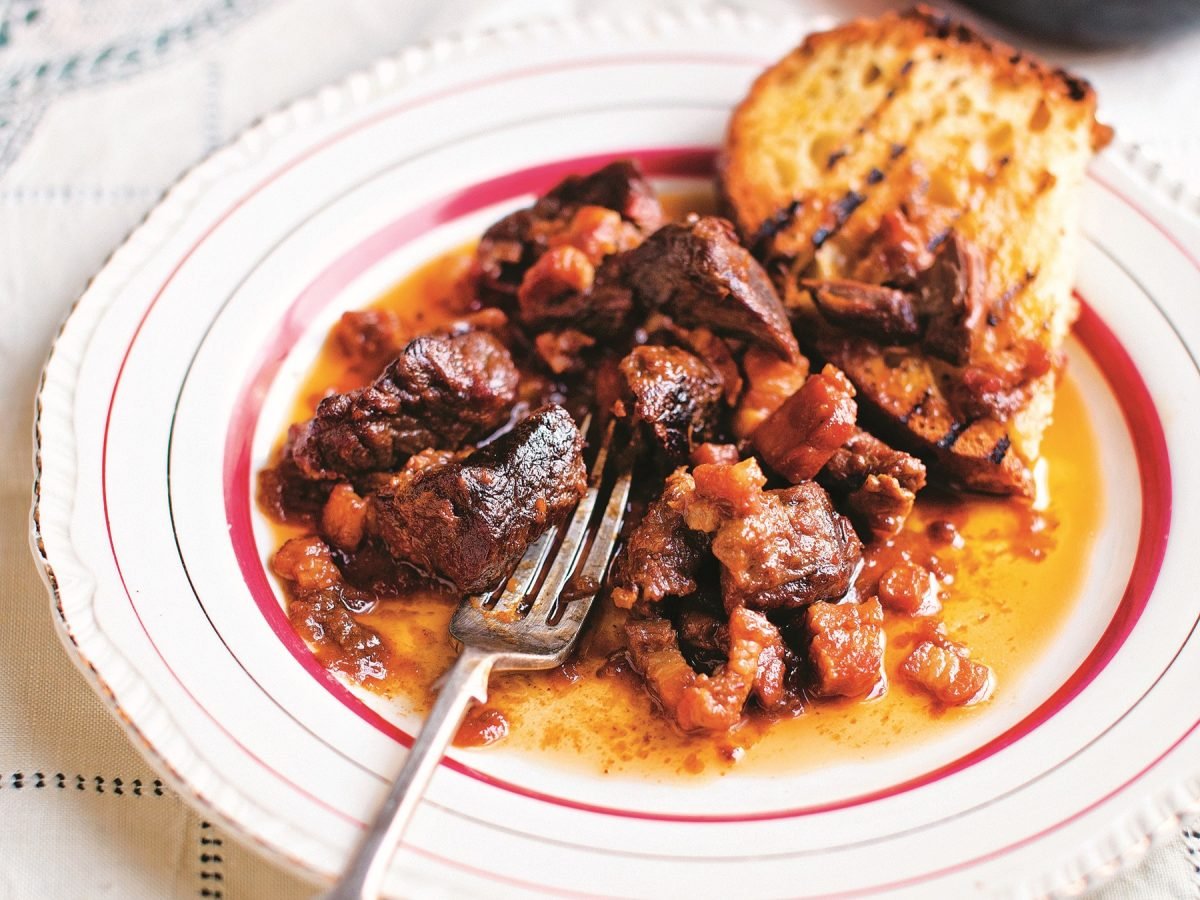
[(505, 631)]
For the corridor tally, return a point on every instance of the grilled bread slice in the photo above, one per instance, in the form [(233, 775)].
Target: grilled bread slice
[(912, 153)]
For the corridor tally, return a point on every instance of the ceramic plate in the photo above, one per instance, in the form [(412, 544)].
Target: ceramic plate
[(175, 374)]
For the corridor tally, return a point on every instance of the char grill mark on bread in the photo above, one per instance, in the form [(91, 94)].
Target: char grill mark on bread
[(857, 158)]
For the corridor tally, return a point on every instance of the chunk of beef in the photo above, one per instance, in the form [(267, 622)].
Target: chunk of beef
[(780, 549), (662, 556), (673, 396), (511, 246), (470, 520), (876, 483), (442, 391), (799, 438), (944, 670), (846, 648), (953, 300), (792, 550), (699, 275), (886, 314), (700, 342), (769, 382)]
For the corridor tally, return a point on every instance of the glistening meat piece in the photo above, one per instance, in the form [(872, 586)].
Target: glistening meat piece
[(673, 396), (944, 671), (653, 651), (702, 702), (715, 702), (847, 647), (699, 275), (791, 550), (780, 549), (885, 314), (442, 391), (877, 484), (511, 246), (470, 520), (953, 299), (799, 438), (661, 556), (769, 382)]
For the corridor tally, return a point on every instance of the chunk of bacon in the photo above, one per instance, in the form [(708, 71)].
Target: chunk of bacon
[(945, 671), (715, 702), (802, 434), (847, 647)]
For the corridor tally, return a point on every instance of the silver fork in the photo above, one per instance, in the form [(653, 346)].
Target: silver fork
[(501, 631)]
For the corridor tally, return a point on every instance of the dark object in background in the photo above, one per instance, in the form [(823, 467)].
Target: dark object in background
[(1094, 23)]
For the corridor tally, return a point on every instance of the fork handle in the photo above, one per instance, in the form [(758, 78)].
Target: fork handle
[(466, 681)]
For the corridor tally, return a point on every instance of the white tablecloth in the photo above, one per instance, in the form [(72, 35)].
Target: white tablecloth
[(102, 104)]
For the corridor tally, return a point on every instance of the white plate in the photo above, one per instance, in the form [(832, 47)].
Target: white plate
[(174, 375)]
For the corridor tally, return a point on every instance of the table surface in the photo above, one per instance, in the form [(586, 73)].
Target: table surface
[(102, 104)]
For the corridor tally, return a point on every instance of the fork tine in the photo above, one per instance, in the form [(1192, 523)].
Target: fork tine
[(599, 556), (575, 537)]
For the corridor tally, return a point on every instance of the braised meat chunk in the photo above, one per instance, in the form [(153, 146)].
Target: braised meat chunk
[(469, 520), (672, 396), (702, 702), (846, 648), (791, 550), (779, 549), (945, 671), (883, 313), (442, 391), (511, 246), (715, 702), (808, 428), (699, 275), (662, 556), (876, 484)]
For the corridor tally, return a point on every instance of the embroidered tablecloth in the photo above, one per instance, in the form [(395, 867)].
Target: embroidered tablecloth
[(102, 104)]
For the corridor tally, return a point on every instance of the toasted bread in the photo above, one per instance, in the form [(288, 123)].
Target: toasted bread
[(858, 155)]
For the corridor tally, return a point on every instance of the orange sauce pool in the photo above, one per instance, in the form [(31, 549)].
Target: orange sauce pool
[(1006, 589)]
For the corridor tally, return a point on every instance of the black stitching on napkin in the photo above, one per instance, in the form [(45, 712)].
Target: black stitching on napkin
[(210, 862), (117, 786)]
